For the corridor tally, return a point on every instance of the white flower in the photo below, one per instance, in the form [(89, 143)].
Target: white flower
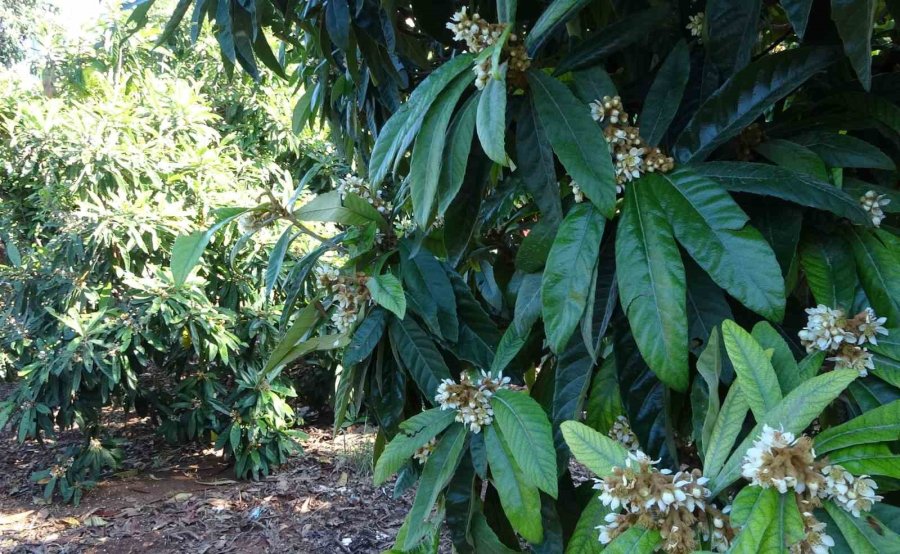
[(824, 329), (853, 494), (482, 73), (621, 432), (872, 202), (471, 399), (695, 24), (854, 357), (577, 193), (769, 439), (870, 326), (630, 164), (422, 453)]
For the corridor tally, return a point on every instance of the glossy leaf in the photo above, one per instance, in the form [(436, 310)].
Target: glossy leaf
[(528, 436), (528, 303), (798, 14), (665, 95), (456, 154), (755, 374), (880, 424), (854, 20), (553, 17), (744, 97), (769, 180), (534, 157), (366, 337), (576, 139), (521, 501), (570, 385), (845, 150), (730, 34), (651, 285), (828, 264), (863, 535), (567, 276), (709, 366), (878, 265), (490, 122), (419, 355), (387, 292)]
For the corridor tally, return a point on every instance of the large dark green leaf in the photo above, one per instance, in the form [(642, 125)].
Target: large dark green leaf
[(567, 277), (714, 230), (584, 537), (593, 83), (535, 247), (828, 264), (769, 180), (490, 124), (613, 38), (366, 337), (745, 96), (430, 293), (461, 503), (528, 303), (731, 33), (652, 284), (602, 301), (428, 152), (798, 14), (665, 94), (855, 20), (571, 380), (419, 355), (878, 265), (478, 335), (844, 150), (528, 435), (576, 139), (436, 474), (795, 157), (706, 305), (534, 157), (337, 22), (551, 19), (521, 500), (400, 130), (456, 154)]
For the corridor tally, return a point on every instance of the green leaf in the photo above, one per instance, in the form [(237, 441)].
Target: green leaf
[(783, 361), (861, 534), (714, 230), (387, 292), (419, 355), (438, 471), (456, 154), (490, 124), (731, 32), (400, 130), (709, 366), (868, 459), (362, 211), (755, 373), (528, 435), (593, 83), (521, 500), (367, 335), (536, 166), (652, 285), (725, 431), (303, 323), (810, 365), (337, 22), (745, 96), (510, 344), (844, 150), (535, 247), (793, 414), (795, 157), (754, 509), (597, 452), (506, 11), (636, 540), (186, 253), (567, 276), (830, 272), (430, 292), (855, 20), (478, 335), (769, 180), (878, 265), (787, 527), (528, 303), (553, 17), (486, 539), (584, 537), (571, 379), (427, 159), (707, 307), (798, 14), (664, 96), (329, 207), (613, 38), (576, 140), (276, 258), (415, 433), (880, 424)]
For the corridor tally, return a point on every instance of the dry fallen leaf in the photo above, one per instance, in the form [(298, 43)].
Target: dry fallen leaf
[(95, 521), (182, 497), (342, 481)]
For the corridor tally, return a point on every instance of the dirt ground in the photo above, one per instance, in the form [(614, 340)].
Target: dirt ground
[(185, 499)]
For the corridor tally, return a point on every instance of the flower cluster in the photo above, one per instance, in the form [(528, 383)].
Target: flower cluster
[(348, 294), (471, 398), (829, 330), (632, 158), (422, 453), (478, 35), (781, 460), (872, 203), (695, 25), (621, 432), (674, 504), (352, 184)]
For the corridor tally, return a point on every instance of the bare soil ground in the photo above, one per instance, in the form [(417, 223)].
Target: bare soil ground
[(186, 499)]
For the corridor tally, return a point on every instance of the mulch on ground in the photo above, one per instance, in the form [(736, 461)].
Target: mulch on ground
[(186, 499)]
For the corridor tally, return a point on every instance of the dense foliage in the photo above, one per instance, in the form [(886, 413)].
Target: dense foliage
[(562, 220), (138, 147)]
